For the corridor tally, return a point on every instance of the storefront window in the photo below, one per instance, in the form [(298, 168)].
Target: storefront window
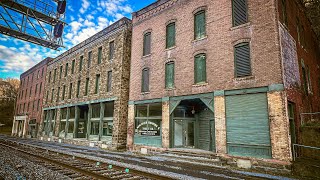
[(72, 113), (62, 126), (107, 128), (108, 109), (95, 128), (71, 127), (148, 119), (64, 113), (96, 110)]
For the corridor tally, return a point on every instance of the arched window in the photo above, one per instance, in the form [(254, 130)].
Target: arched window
[(171, 35), (147, 43), (200, 25)]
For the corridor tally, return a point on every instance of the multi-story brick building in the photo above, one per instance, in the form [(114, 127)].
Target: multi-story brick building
[(217, 76), (29, 100), (87, 90)]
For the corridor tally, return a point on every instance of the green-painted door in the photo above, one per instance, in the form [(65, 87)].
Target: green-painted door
[(247, 123), (206, 131)]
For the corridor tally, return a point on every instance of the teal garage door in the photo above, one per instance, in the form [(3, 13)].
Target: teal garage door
[(248, 131)]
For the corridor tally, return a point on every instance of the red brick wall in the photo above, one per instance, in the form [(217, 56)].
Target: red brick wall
[(32, 114), (261, 31), (311, 57)]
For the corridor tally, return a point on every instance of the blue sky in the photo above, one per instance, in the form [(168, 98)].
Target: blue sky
[(85, 18)]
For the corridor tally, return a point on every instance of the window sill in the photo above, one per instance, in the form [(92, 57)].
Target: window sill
[(240, 26), (170, 48), (170, 89), (145, 56), (200, 84), (201, 39), (243, 78), (145, 93)]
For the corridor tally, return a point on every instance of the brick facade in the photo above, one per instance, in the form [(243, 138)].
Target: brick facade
[(120, 34), (30, 98), (272, 51)]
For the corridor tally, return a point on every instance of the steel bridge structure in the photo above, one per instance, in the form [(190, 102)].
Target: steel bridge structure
[(32, 21)]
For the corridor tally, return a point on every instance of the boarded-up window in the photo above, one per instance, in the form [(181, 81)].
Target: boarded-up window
[(89, 58), (239, 12), (63, 92), (242, 60), (97, 84), (99, 55), (109, 82), (72, 66), (87, 87), (78, 88), (111, 50), (199, 25), (54, 75), (70, 91), (171, 35), (200, 74), (80, 63), (108, 109), (49, 80), (147, 43), (145, 80), (60, 75), (170, 75), (66, 71)]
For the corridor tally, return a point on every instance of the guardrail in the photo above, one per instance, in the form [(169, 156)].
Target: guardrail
[(298, 151)]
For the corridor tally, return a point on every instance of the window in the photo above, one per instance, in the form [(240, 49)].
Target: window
[(80, 63), (60, 75), (99, 55), (42, 72), (169, 75), (89, 58), (107, 128), (303, 38), (95, 127), (40, 88), (200, 69), (72, 111), (63, 92), (35, 90), (145, 80), (78, 89), (52, 95), (30, 91), (148, 119), (242, 60), (108, 109), (87, 87), (96, 110), (171, 35), (38, 74), (239, 12), (298, 30), (70, 91), (284, 12), (97, 84), (38, 104), (111, 50), (72, 66), (54, 75), (47, 96), (109, 82), (147, 44), (66, 70), (199, 25), (49, 80), (58, 94)]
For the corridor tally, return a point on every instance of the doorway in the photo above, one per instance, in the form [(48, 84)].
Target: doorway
[(81, 125), (184, 133)]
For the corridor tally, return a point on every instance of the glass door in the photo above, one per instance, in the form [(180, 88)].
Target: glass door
[(184, 133)]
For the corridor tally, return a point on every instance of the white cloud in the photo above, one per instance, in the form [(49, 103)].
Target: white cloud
[(84, 6), (75, 25)]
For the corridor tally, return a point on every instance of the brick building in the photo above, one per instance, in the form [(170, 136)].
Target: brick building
[(29, 100), (216, 76), (87, 90)]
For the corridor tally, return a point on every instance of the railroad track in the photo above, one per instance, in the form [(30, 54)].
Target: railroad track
[(78, 167)]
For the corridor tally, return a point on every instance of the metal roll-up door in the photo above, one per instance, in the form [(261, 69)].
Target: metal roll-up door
[(205, 133), (247, 123)]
